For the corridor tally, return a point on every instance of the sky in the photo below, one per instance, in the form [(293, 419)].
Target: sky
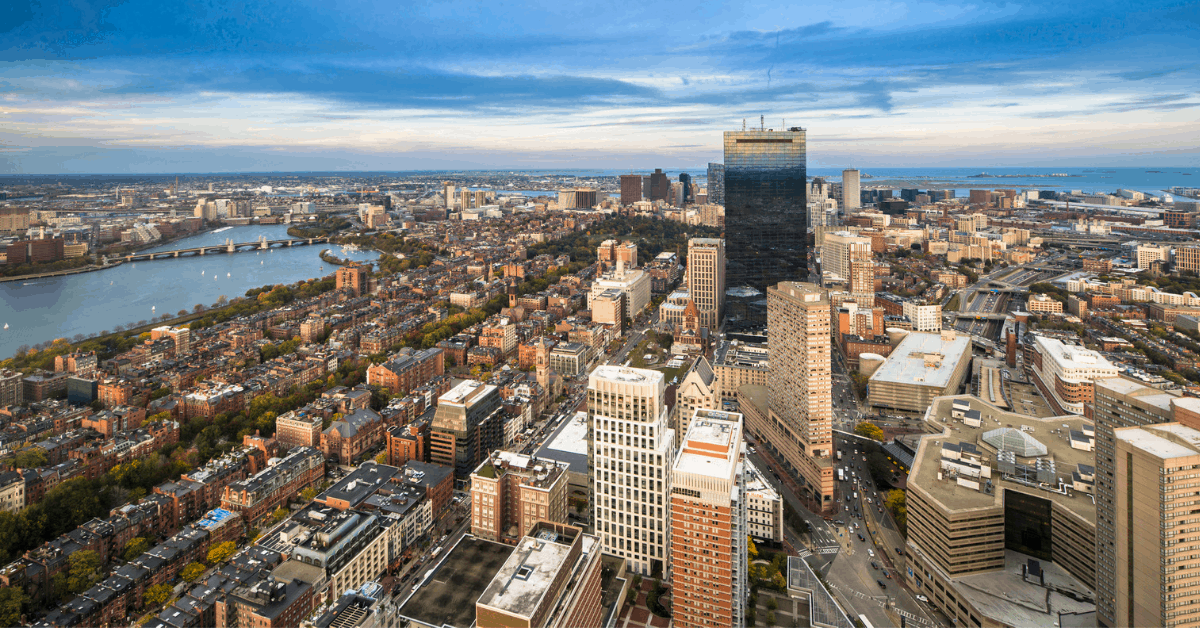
[(154, 86)]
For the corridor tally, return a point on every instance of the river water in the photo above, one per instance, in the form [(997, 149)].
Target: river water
[(60, 307)]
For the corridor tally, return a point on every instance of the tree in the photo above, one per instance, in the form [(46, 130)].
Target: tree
[(157, 595), (772, 604), (134, 548), (181, 313), (197, 308), (896, 503), (193, 571), (771, 616), (382, 458), (869, 430), (221, 553), (309, 494), (751, 548), (84, 571), (30, 458), (280, 514), (12, 599)]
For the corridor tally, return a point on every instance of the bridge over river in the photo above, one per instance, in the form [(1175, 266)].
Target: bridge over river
[(262, 244)]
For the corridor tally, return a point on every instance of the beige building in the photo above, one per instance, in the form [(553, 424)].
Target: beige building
[(1043, 303), (511, 492), (992, 491), (634, 283), (610, 252), (840, 250), (697, 391), (706, 279), (737, 364), (1150, 253), (630, 448), (799, 385), (1155, 495), (924, 317), (608, 308), (708, 524), (1064, 373), (1187, 257), (298, 429)]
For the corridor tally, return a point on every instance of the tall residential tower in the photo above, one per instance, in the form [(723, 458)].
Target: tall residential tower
[(630, 446), (706, 279), (851, 192)]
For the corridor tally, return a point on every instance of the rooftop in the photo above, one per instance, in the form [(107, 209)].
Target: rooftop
[(924, 359), (448, 596), (569, 444), (465, 392), (625, 374), (1164, 441), (1072, 356), (520, 585), (1053, 433), (1007, 597)]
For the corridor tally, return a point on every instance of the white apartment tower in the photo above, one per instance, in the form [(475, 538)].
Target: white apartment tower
[(706, 279), (630, 450)]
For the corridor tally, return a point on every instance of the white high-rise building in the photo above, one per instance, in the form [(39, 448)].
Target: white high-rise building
[(850, 191), (630, 451)]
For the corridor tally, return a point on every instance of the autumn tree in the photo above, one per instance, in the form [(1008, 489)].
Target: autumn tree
[(134, 548), (193, 571), (869, 430), (221, 553), (84, 571), (157, 595), (12, 600)]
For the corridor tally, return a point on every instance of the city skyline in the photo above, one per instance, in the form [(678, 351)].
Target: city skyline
[(138, 87)]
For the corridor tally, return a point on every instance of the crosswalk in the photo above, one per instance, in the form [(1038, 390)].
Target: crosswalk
[(828, 549)]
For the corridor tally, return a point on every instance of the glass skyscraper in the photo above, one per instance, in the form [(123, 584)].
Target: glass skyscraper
[(766, 218)]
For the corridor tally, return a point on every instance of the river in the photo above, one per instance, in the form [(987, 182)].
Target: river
[(61, 307)]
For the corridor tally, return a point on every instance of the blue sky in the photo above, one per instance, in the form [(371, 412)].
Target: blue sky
[(155, 86)]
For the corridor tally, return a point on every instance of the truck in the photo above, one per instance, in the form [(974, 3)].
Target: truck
[(841, 475), (839, 454)]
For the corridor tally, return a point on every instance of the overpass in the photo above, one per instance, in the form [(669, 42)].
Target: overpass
[(979, 316), (262, 244)]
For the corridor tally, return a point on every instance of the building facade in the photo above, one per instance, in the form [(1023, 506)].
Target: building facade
[(706, 279)]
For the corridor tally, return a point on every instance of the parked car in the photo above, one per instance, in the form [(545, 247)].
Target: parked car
[(922, 598), (881, 584)]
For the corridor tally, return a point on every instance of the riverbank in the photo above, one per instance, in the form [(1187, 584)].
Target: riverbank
[(60, 273), (326, 256)]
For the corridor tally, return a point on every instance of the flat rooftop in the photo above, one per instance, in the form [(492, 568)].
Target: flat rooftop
[(626, 374), (464, 392), (569, 444), (1053, 432), (1007, 597), (907, 363), (1072, 356), (523, 581), (1164, 441), (448, 596)]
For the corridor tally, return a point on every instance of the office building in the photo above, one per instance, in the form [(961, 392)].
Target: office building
[(765, 214), (920, 368), (630, 450), (448, 189), (1064, 373), (466, 427), (576, 198), (841, 249), (631, 189), (850, 191), (511, 492), (708, 524), (660, 186), (799, 386), (736, 364), (923, 316), (685, 187), (611, 251), (1000, 514), (706, 279), (716, 184), (633, 282)]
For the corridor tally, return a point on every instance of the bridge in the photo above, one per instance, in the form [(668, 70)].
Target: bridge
[(262, 244), (979, 316)]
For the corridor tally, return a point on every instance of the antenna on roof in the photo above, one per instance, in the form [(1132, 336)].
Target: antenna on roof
[(762, 123), (743, 124)]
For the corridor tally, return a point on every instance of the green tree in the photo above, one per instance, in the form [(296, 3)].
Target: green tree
[(751, 548), (12, 600), (193, 571), (896, 503), (772, 604), (84, 571), (157, 595), (869, 430), (309, 494), (221, 553), (134, 548), (382, 458), (771, 616), (30, 458), (280, 514)]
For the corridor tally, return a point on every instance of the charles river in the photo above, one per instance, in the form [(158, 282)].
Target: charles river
[(41, 310)]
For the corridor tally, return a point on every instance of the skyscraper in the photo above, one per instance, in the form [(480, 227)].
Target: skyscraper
[(765, 213), (448, 188), (716, 184), (660, 185), (685, 182), (630, 446), (708, 524), (631, 188), (799, 387), (840, 249), (706, 279), (851, 199)]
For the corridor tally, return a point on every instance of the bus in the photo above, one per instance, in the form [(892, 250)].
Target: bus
[(841, 475)]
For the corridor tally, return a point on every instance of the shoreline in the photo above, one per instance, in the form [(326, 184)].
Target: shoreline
[(60, 273)]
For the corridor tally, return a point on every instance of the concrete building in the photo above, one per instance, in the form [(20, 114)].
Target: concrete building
[(631, 445), (764, 506), (920, 368), (799, 388), (631, 189), (511, 492), (298, 428), (12, 389), (611, 251), (1155, 492), (1001, 526), (608, 308), (738, 364), (709, 582), (1044, 304), (850, 190), (580, 198), (924, 316), (466, 427), (353, 277), (706, 279), (569, 359), (1147, 254), (716, 184), (1064, 373)]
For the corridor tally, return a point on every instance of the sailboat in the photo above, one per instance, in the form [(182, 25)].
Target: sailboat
[(6, 325), (152, 308), (201, 273), (227, 274), (260, 263)]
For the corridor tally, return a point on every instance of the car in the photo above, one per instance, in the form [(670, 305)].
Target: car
[(847, 508), (887, 575), (899, 551), (874, 565), (922, 598), (862, 538), (881, 584), (870, 552)]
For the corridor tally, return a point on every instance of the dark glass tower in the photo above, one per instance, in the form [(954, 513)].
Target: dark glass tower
[(766, 219)]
